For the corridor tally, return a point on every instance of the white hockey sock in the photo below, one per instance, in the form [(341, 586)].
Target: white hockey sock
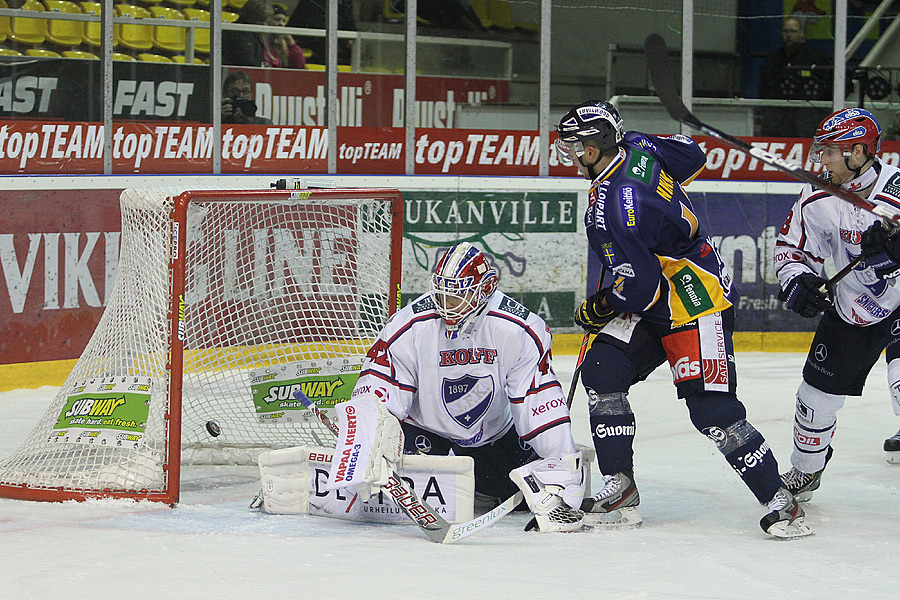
[(814, 423)]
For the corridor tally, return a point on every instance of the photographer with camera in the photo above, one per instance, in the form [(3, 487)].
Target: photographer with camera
[(237, 101)]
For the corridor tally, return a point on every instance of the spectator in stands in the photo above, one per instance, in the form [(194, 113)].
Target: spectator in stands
[(313, 14), (281, 49), (796, 71), (238, 106), (246, 48)]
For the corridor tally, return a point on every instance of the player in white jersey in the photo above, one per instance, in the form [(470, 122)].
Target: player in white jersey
[(861, 316), (467, 369)]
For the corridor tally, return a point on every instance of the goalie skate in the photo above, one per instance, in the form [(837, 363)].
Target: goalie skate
[(615, 506), (786, 520), (892, 449), (802, 485)]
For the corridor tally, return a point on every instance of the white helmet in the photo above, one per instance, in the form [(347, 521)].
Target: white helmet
[(462, 283)]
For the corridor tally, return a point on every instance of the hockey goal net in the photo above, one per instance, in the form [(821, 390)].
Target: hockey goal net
[(217, 294)]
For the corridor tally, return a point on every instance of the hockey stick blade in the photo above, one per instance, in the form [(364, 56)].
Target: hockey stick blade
[(436, 527), (658, 64)]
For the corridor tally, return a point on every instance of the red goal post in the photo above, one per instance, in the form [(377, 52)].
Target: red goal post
[(224, 302)]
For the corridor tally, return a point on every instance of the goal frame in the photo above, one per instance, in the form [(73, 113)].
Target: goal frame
[(177, 269)]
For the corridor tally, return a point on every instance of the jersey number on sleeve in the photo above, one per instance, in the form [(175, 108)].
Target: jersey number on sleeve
[(378, 354)]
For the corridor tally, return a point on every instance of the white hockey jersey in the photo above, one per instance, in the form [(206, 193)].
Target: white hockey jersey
[(471, 389), (821, 225)]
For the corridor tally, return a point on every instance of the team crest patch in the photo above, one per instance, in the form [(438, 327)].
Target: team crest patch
[(514, 308), (892, 186), (425, 304), (468, 398)]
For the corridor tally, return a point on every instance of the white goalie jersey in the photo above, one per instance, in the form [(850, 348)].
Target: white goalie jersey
[(820, 226), (471, 389)]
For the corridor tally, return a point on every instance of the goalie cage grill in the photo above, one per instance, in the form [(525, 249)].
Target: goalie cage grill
[(211, 284)]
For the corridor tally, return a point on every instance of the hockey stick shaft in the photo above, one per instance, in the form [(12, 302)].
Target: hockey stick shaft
[(853, 263), (585, 344), (576, 374), (658, 64), (430, 522)]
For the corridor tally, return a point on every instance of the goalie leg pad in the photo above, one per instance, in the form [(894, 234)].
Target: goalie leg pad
[(552, 488)]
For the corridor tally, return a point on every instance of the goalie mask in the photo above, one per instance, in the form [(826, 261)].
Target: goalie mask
[(844, 129), (596, 121), (462, 283)]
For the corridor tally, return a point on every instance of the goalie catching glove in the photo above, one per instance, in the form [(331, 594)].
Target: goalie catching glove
[(369, 447), (881, 248), (594, 313), (553, 489)]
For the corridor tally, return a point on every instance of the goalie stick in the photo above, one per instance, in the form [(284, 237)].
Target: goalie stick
[(658, 63), (430, 522)]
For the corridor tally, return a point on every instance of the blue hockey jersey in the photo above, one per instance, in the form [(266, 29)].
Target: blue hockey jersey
[(641, 224)]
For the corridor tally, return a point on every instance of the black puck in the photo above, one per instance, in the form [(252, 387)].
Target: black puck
[(213, 428)]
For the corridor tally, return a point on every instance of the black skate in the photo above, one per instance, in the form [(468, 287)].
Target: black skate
[(617, 502), (892, 447), (785, 520), (802, 485)]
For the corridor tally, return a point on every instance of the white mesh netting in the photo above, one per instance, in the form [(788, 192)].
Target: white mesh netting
[(271, 278)]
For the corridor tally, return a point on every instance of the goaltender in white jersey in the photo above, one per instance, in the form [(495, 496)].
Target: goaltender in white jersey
[(473, 388), (467, 369)]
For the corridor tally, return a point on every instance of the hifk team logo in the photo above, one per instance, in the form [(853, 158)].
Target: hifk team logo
[(468, 398)]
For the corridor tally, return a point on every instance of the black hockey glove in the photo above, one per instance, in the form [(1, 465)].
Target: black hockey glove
[(881, 249), (804, 296), (592, 315)]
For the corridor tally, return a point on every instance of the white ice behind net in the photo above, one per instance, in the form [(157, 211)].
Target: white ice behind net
[(267, 283)]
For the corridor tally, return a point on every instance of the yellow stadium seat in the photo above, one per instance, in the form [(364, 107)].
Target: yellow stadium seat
[(394, 11), (340, 68), (4, 23), (92, 28), (182, 60), (202, 3), (168, 38), (235, 5), (500, 16), (181, 4), (201, 36), (229, 17), (480, 7), (123, 57), (64, 33), (41, 53), (154, 58), (79, 54), (28, 31), (136, 37), (9, 52)]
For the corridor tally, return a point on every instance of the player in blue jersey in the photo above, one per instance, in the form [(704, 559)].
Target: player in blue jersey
[(666, 295)]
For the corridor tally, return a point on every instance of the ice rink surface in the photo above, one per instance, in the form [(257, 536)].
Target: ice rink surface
[(700, 537)]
